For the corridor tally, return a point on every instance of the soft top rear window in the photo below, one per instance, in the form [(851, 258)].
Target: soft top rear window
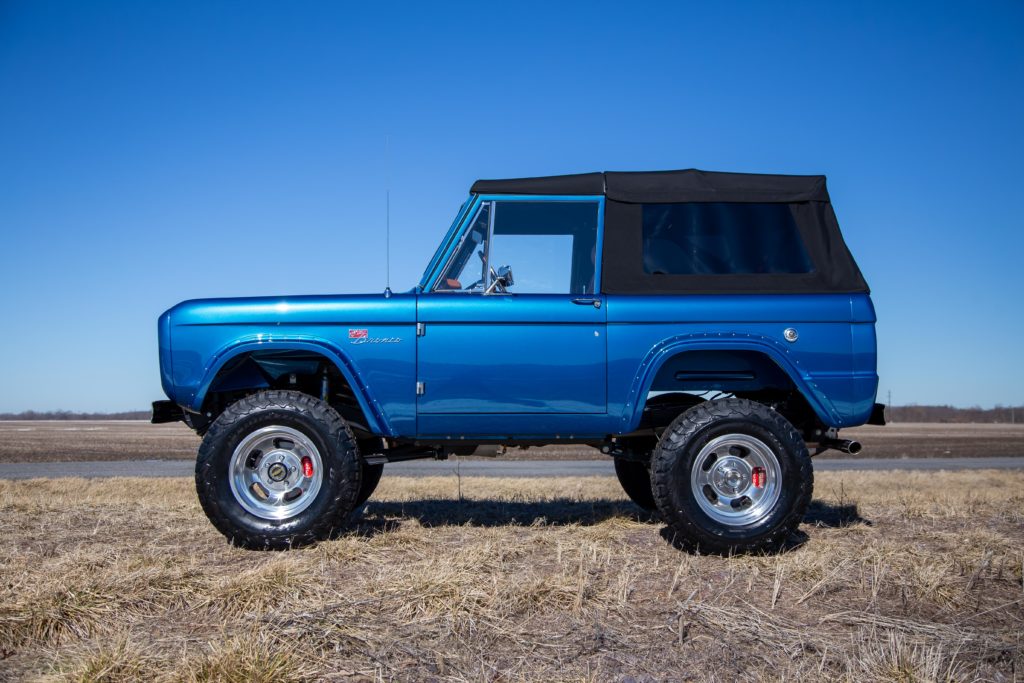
[(722, 238)]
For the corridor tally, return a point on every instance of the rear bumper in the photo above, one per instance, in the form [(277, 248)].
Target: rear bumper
[(166, 411)]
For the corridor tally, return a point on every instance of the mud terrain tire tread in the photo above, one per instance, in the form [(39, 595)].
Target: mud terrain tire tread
[(341, 484), (670, 477)]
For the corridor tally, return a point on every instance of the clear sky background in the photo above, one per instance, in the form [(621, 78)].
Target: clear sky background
[(153, 152)]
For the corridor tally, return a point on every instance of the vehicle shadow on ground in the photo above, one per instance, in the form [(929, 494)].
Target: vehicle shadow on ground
[(820, 514), (833, 515), (498, 513), (385, 516)]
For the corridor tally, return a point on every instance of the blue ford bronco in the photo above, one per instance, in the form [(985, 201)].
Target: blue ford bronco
[(708, 331)]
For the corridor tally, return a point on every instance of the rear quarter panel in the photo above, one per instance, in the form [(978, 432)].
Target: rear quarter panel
[(832, 362)]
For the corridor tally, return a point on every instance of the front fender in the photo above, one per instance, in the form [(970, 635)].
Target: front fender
[(377, 421), (777, 352)]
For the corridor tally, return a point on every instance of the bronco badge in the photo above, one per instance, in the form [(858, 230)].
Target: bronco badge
[(362, 336)]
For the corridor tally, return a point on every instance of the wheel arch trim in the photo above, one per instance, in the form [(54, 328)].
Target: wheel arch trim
[(376, 419), (666, 349)]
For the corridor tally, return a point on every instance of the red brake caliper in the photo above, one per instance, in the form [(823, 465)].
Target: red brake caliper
[(307, 467), (757, 477)]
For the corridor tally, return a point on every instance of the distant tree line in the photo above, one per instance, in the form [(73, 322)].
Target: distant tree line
[(70, 415), (914, 413)]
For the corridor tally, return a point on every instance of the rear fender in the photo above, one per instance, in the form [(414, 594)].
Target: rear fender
[(671, 347)]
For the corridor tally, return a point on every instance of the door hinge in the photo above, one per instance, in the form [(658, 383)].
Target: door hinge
[(421, 388), (421, 329)]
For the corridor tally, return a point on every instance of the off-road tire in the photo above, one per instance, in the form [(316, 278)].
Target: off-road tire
[(673, 460), (636, 482), (341, 481), (371, 477)]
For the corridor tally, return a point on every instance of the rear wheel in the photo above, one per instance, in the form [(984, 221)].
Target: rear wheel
[(732, 476), (278, 469), (636, 482)]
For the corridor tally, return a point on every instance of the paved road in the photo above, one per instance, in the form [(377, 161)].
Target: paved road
[(475, 468)]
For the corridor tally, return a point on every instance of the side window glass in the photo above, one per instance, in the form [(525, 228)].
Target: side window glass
[(722, 238), (550, 247), (465, 270)]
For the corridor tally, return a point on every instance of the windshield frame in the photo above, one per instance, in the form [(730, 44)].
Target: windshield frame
[(453, 233), (454, 237)]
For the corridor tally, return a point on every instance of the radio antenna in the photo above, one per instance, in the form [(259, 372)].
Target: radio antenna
[(387, 219)]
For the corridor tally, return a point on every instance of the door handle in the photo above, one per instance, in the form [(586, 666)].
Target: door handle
[(587, 301)]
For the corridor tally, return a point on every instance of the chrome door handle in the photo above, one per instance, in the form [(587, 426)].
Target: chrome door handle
[(587, 301)]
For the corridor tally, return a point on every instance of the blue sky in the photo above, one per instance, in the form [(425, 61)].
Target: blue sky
[(154, 152)]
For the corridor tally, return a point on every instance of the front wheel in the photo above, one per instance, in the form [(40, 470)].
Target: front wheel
[(278, 469), (732, 476)]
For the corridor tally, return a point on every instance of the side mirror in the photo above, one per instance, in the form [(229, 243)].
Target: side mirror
[(501, 280), (505, 275)]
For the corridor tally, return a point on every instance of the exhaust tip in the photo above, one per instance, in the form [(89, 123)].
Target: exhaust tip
[(843, 445)]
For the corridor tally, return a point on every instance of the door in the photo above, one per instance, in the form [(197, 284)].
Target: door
[(512, 324)]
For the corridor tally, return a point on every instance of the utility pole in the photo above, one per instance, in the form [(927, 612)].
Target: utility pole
[(889, 400)]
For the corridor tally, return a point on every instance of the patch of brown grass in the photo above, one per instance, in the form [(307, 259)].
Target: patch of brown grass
[(256, 657), (908, 577), (117, 661)]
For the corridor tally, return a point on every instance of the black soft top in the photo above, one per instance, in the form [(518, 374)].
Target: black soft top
[(690, 185), (834, 267)]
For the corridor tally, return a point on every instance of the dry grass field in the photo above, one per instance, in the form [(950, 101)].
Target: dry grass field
[(894, 577), (76, 440)]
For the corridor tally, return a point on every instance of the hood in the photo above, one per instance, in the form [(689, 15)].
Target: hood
[(285, 310)]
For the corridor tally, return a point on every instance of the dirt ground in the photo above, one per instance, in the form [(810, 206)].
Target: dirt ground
[(35, 441), (909, 578)]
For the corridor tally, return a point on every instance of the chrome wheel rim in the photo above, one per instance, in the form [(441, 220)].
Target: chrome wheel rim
[(736, 479), (276, 472)]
